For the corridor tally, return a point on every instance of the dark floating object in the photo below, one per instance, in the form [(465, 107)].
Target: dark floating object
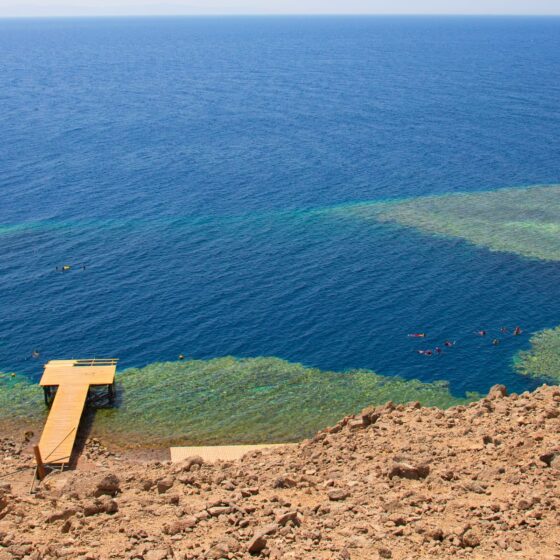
[(68, 267)]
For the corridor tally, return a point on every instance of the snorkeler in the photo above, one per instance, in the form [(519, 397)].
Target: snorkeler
[(517, 331)]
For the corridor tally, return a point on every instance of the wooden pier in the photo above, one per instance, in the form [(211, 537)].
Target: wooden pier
[(67, 385)]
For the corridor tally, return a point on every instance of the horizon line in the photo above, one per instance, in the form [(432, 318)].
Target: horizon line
[(279, 14)]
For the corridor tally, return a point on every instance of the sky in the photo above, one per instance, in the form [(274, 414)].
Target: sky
[(33, 8)]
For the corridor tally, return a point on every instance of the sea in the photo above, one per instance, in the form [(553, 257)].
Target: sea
[(183, 168)]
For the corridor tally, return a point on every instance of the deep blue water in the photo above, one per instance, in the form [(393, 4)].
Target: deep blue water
[(182, 160)]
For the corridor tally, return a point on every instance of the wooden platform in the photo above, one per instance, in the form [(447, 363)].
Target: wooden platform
[(73, 379), (219, 452)]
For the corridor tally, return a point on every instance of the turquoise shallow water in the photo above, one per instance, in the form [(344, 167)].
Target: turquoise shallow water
[(193, 166)]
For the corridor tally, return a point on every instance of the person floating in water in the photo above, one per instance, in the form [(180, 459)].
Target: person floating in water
[(496, 342), (425, 352), (438, 350), (448, 344), (181, 356), (36, 354), (504, 330), (482, 333), (417, 335), (517, 331)]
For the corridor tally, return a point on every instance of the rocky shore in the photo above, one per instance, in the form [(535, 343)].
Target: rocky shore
[(398, 481)]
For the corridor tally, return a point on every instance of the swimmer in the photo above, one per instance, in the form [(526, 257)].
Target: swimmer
[(181, 357), (36, 354), (428, 353), (448, 344), (504, 330), (482, 333), (438, 350), (496, 342), (517, 331)]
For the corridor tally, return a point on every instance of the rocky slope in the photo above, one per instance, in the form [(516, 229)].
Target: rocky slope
[(401, 482)]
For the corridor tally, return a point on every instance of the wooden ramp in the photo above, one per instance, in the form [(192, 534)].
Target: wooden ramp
[(219, 452), (66, 384)]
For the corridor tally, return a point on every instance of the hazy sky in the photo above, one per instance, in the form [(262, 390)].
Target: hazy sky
[(10, 8)]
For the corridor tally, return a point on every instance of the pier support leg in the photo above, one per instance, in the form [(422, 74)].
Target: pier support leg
[(41, 473)]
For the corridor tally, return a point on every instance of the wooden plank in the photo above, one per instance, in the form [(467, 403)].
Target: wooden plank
[(58, 372), (59, 433), (220, 452)]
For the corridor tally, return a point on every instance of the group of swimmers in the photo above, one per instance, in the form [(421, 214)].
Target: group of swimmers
[(437, 349), (504, 330), (449, 344)]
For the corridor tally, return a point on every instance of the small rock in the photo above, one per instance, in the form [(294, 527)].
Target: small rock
[(497, 392), (470, 539), (412, 472), (338, 494), (550, 459), (257, 544), (289, 516), (219, 510), (61, 515), (284, 482), (164, 484), (187, 464), (156, 554)]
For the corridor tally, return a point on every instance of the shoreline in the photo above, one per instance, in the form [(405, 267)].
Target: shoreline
[(393, 482)]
